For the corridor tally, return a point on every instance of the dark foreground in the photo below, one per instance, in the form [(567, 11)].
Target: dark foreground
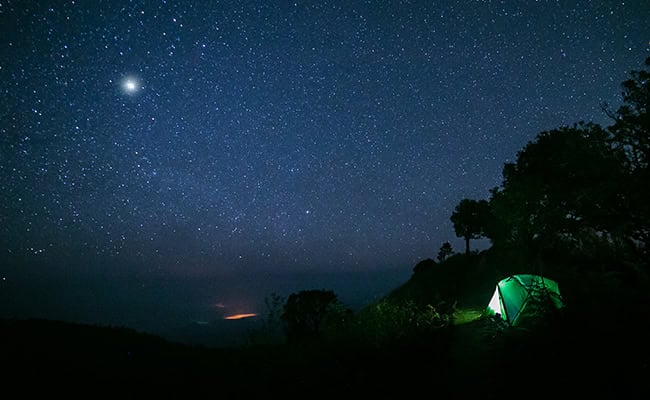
[(598, 360)]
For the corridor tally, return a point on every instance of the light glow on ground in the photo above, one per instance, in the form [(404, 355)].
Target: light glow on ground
[(464, 316)]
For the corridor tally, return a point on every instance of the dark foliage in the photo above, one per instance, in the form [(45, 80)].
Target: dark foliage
[(424, 265), (306, 312), (631, 134), (445, 251), (564, 187), (470, 219), (466, 281), (576, 201)]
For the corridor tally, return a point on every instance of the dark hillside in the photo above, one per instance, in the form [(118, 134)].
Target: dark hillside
[(66, 357), (53, 357), (580, 352), (464, 280)]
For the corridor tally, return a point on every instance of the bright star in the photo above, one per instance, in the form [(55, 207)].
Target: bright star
[(130, 85)]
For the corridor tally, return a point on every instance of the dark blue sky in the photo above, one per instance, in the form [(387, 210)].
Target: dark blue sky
[(217, 140)]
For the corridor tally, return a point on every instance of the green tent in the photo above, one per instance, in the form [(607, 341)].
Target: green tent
[(520, 296)]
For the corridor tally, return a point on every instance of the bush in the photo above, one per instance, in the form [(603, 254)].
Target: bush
[(388, 322)]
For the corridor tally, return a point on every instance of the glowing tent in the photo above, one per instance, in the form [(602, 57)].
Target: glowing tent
[(520, 296)]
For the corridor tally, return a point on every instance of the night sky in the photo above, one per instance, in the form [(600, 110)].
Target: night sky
[(232, 143)]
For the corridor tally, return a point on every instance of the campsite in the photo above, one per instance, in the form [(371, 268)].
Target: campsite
[(394, 347)]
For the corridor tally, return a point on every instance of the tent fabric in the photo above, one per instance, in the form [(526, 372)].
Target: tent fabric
[(523, 295)]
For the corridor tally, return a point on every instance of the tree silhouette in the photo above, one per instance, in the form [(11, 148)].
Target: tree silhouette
[(631, 134), (305, 312), (445, 251), (631, 130), (563, 184), (470, 219), (270, 330), (582, 189)]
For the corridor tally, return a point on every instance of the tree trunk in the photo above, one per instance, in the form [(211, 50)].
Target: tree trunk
[(467, 245)]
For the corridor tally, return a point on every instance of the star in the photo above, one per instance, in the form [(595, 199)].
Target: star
[(130, 85)]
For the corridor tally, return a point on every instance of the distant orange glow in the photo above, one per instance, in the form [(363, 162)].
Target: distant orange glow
[(240, 316)]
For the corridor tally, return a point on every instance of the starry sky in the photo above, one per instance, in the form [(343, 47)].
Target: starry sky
[(243, 139)]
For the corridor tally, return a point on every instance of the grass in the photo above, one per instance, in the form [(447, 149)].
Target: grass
[(466, 315)]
